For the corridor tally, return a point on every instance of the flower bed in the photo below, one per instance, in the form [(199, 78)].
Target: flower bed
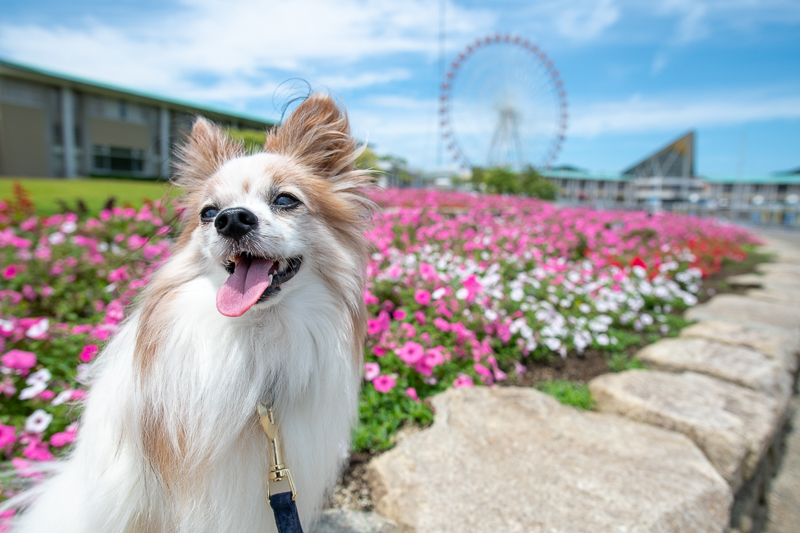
[(463, 290)]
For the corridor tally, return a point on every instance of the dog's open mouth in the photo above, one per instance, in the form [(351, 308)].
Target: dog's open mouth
[(253, 280)]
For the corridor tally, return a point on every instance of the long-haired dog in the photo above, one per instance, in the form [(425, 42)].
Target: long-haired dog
[(262, 297)]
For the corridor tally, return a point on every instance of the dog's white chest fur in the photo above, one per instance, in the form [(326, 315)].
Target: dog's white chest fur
[(216, 371)]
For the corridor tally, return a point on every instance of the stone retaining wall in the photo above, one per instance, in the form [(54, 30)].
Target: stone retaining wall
[(690, 444)]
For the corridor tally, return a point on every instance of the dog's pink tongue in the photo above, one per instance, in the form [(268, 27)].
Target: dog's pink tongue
[(244, 286)]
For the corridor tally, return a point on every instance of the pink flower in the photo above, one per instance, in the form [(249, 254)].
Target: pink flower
[(10, 271), (83, 328), (411, 352), (422, 297), (136, 241), (61, 439), (8, 436), (428, 272), (377, 325), (25, 468), (483, 371), (384, 383), (411, 392), (369, 298), (78, 395), (118, 274), (400, 315), (408, 330), (47, 395), (37, 451), (442, 324), (419, 316), (371, 371), (463, 381), (88, 353), (19, 360)]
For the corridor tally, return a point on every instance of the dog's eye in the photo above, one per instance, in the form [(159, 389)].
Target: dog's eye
[(208, 213), (285, 200)]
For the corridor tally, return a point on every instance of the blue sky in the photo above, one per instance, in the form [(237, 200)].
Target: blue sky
[(638, 73)]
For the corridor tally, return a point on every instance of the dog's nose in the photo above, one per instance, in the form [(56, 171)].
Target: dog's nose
[(235, 222)]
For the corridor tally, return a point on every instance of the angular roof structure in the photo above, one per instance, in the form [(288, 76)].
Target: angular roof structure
[(674, 160)]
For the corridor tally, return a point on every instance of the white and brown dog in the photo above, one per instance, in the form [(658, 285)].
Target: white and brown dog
[(262, 297)]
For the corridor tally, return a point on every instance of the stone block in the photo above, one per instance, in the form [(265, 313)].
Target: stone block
[(776, 343), (515, 460), (737, 364), (347, 521), (734, 426), (741, 309)]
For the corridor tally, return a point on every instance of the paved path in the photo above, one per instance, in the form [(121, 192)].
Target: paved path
[(784, 496)]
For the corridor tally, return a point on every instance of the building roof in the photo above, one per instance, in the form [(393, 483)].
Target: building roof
[(584, 175), (770, 179), (28, 72), (676, 159)]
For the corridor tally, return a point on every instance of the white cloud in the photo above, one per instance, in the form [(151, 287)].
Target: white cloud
[(238, 40), (678, 113), (586, 20)]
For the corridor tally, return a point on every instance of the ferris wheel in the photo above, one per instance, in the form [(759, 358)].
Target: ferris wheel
[(503, 104)]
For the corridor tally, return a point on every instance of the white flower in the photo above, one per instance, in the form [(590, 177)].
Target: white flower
[(34, 390), (585, 308), (83, 374), (102, 247), (40, 376), (661, 292), (490, 314), (517, 294), (38, 421), (56, 238), (552, 343), (38, 330), (689, 299), (62, 397), (462, 293), (438, 293), (6, 326), (602, 339), (646, 319), (68, 227)]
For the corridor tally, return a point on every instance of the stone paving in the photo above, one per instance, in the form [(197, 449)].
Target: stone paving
[(691, 444)]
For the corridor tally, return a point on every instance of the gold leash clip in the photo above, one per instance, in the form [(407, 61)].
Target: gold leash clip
[(277, 470)]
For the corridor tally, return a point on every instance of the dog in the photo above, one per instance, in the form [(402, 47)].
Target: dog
[(261, 298)]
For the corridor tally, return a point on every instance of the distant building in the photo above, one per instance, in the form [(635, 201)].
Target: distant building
[(61, 126), (667, 176), (666, 179)]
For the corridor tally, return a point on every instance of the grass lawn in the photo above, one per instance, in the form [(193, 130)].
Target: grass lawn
[(45, 193)]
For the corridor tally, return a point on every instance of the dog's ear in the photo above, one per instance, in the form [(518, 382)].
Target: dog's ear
[(207, 148), (316, 134)]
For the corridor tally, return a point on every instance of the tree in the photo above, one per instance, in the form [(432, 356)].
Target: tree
[(505, 181)]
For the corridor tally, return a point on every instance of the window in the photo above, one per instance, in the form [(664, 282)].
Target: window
[(113, 161), (727, 188)]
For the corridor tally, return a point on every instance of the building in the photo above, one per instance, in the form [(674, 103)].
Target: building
[(667, 176), (666, 179), (53, 125), (601, 190)]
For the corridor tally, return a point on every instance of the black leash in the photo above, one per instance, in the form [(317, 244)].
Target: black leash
[(285, 511), (283, 503)]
